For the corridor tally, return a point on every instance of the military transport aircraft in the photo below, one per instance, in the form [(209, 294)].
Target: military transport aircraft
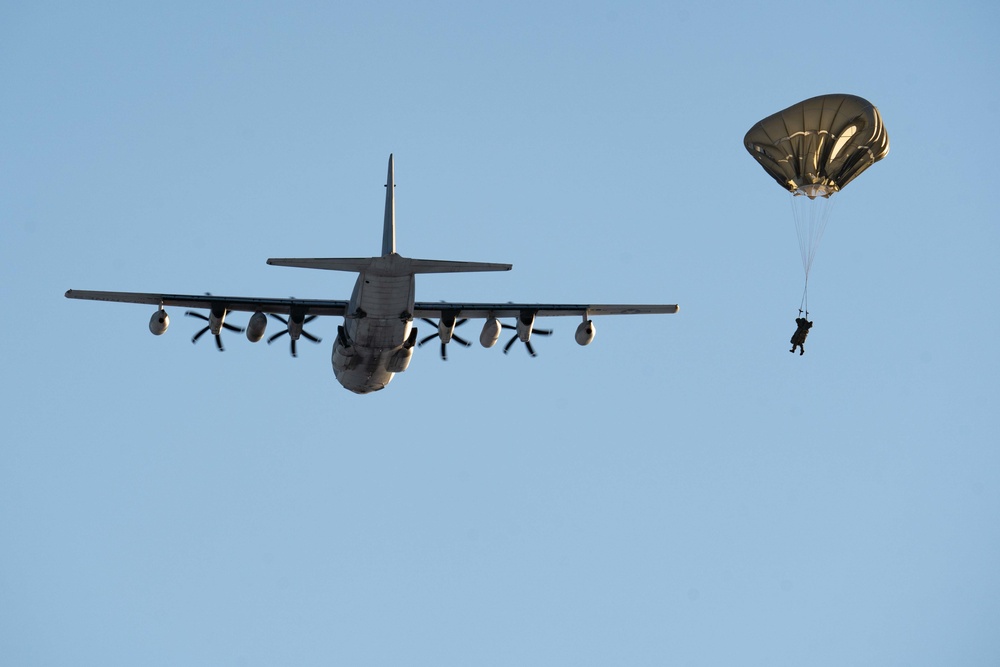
[(377, 337)]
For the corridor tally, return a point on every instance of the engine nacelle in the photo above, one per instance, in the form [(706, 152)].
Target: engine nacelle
[(256, 327), (585, 333), (159, 322), (446, 327), (296, 319), (525, 324), (216, 319), (491, 332)]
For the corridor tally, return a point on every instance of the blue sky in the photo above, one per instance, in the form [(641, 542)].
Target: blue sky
[(683, 491)]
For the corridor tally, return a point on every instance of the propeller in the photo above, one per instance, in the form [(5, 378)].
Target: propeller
[(437, 334), (218, 337), (293, 328), (527, 343)]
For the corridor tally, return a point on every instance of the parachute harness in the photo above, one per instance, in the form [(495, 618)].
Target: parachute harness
[(804, 304)]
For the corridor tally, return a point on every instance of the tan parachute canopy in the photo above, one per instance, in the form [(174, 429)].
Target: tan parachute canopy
[(818, 146)]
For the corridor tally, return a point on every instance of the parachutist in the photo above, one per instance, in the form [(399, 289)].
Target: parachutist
[(813, 150), (799, 337)]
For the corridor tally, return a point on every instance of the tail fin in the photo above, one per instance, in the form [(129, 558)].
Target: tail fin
[(389, 263), (389, 225)]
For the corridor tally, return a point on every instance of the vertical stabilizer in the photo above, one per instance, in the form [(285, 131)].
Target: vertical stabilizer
[(389, 226)]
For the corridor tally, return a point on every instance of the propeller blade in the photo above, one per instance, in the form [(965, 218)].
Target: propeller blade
[(218, 338), (437, 334), (304, 334), (527, 344)]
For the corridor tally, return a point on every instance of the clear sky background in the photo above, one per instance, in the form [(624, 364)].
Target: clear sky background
[(683, 491)]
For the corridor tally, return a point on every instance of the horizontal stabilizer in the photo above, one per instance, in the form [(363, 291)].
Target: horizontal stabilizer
[(445, 266), (389, 265), (353, 264)]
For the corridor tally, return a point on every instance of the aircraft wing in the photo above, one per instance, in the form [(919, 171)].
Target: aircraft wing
[(230, 303), (500, 310), (432, 309)]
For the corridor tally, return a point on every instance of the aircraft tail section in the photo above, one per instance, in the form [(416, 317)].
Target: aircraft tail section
[(389, 263)]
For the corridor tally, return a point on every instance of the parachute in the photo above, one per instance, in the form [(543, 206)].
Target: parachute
[(813, 149)]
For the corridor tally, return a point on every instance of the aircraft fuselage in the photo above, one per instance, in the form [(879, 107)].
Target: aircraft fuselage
[(375, 341)]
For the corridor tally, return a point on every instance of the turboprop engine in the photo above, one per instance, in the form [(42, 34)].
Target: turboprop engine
[(445, 332), (293, 327), (216, 323), (523, 331)]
